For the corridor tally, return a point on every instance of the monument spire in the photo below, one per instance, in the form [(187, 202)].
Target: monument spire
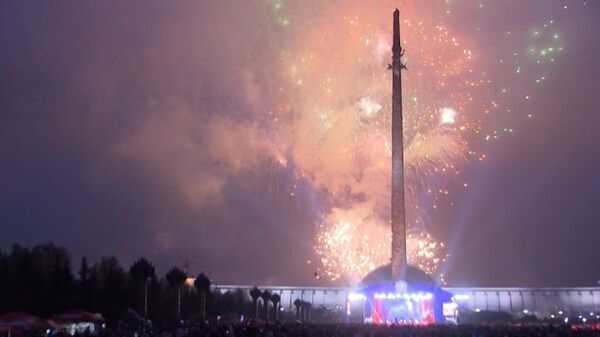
[(398, 211)]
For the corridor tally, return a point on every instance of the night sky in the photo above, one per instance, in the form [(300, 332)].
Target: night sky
[(146, 128)]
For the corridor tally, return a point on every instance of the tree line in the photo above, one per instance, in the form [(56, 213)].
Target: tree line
[(39, 280)]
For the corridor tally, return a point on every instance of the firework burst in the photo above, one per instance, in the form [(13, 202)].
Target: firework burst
[(338, 117)]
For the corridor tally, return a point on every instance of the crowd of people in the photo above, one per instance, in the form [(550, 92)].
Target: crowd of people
[(296, 329)]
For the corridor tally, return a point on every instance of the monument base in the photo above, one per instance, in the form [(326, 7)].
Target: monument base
[(414, 299)]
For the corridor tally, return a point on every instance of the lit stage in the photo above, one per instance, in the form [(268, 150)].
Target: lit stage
[(415, 299)]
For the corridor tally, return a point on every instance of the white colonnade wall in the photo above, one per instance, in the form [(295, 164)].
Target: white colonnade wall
[(542, 302)]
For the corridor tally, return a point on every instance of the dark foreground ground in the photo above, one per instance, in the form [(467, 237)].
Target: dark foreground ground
[(358, 330)]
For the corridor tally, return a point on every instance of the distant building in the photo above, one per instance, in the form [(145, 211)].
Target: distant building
[(542, 302)]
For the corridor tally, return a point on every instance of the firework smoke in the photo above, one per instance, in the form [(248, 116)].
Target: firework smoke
[(338, 126)]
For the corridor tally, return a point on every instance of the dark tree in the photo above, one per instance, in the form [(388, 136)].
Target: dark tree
[(276, 299), (176, 278), (298, 304), (4, 285), (141, 272), (110, 282), (55, 287), (202, 284), (21, 280), (266, 297), (306, 310), (84, 270), (85, 286), (255, 293), (229, 302), (38, 280), (160, 307)]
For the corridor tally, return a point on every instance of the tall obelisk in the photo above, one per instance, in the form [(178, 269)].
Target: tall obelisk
[(398, 211)]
